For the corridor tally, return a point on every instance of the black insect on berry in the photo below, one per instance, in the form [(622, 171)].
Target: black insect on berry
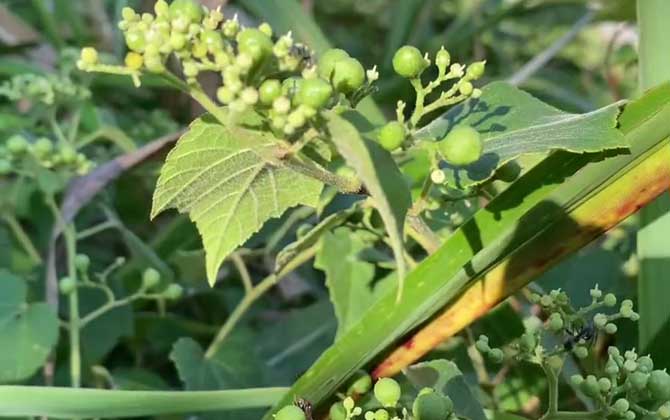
[(586, 333), (305, 406), (303, 52)]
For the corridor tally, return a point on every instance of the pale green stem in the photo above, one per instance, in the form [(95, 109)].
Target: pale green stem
[(243, 271), (251, 297), (22, 237), (94, 230), (113, 304), (552, 385)]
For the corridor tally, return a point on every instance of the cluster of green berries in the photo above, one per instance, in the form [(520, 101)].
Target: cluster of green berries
[(629, 387), (151, 279), (495, 354), (47, 90), (278, 79), (428, 404), (19, 154), (463, 145)]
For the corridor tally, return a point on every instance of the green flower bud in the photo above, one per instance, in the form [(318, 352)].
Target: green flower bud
[(327, 62), (68, 154), (546, 301), (482, 344), (596, 293), (348, 75), (265, 28), (225, 95), (576, 380), (555, 322), (134, 61), (476, 70), (638, 380), (381, 414), (611, 328), (177, 41), (659, 385), (269, 91), (605, 384), (212, 39), (645, 364), (609, 300), (664, 411), (580, 352), (438, 176), (89, 56), (528, 342), (629, 415), (188, 10), (611, 368), (387, 391), (621, 405), (150, 278), (136, 41), (43, 147), (173, 292), (465, 88), (590, 387), (128, 14), (496, 355), (555, 363), (281, 105), (600, 320), (442, 59), (296, 118), (408, 62), (249, 96), (630, 365), (290, 412)]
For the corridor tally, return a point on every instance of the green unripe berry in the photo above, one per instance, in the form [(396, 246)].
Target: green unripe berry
[(188, 10), (475, 70), (314, 93), (645, 364), (482, 346), (611, 368), (438, 176), (17, 144), (432, 406), (269, 91), (128, 14), (5, 166), (629, 415), (387, 392), (150, 278), (466, 88), (173, 292), (89, 56), (638, 380), (136, 41), (408, 62), (291, 86), (581, 352), (82, 262), (328, 60), (462, 146), (67, 285), (576, 380), (281, 105), (361, 385), (546, 301), (255, 43), (609, 300), (296, 118), (290, 412), (68, 154), (605, 384), (249, 96), (555, 363), (212, 39), (630, 365), (43, 147), (442, 59), (496, 355), (338, 412), (348, 75), (596, 293), (265, 28), (659, 385), (590, 386), (392, 135), (134, 61)]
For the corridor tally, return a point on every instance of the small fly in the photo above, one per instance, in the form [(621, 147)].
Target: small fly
[(303, 52), (586, 333), (305, 406)]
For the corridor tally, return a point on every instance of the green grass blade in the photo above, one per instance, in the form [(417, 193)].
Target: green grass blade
[(653, 286), (56, 402)]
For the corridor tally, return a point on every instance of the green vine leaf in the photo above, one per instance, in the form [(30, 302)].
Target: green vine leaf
[(514, 123), (348, 278), (222, 177), (382, 178), (28, 332)]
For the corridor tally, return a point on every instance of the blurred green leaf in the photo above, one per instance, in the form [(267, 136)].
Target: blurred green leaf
[(28, 332), (380, 175)]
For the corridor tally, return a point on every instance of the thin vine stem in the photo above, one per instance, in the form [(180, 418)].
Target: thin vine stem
[(22, 237), (252, 296)]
